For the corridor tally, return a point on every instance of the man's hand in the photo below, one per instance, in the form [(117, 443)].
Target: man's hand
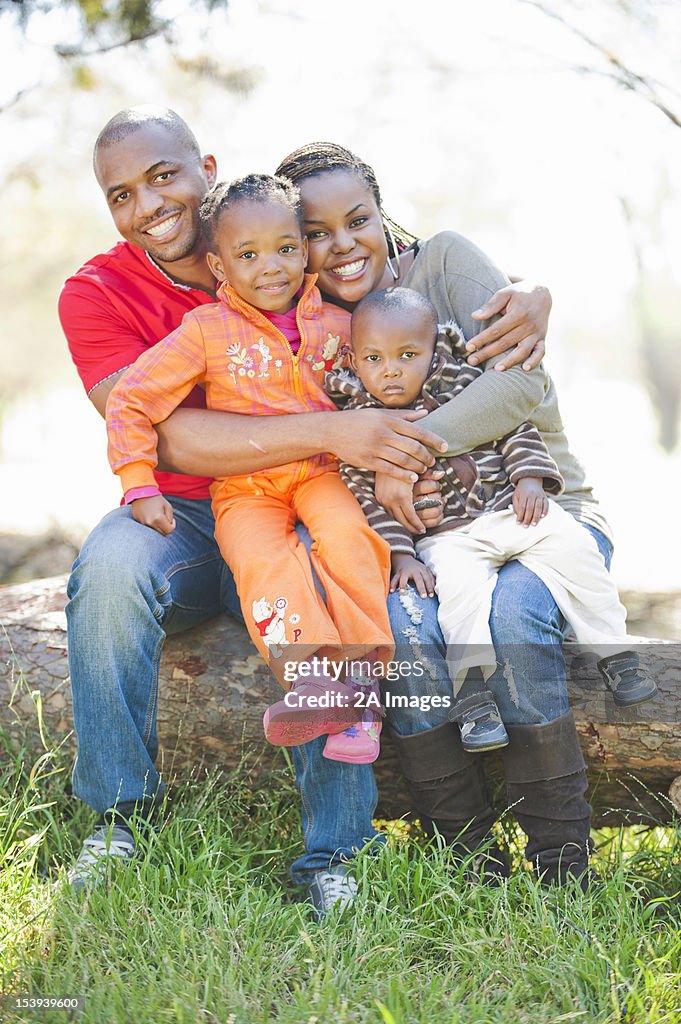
[(520, 332), (530, 503), (155, 512), (390, 442), (406, 568)]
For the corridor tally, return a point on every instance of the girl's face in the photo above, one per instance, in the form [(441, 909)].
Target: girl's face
[(346, 243), (259, 248)]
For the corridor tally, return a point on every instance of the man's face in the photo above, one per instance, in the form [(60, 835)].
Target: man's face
[(392, 353), (260, 250), (154, 185)]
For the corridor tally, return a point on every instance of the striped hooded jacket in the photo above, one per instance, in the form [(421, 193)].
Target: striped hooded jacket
[(474, 483)]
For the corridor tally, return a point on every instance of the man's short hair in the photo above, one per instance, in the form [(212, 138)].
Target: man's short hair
[(127, 122)]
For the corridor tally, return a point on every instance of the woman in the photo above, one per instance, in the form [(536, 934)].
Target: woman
[(355, 248)]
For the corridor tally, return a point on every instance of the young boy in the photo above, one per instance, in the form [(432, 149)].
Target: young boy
[(495, 509), (262, 349)]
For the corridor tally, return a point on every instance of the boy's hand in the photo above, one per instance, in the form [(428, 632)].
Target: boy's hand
[(397, 498), (529, 501), (428, 486), (155, 512), (406, 568)]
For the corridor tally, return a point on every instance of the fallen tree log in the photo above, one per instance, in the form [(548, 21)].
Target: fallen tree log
[(213, 688)]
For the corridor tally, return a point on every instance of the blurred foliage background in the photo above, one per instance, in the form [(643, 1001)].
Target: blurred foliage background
[(549, 132)]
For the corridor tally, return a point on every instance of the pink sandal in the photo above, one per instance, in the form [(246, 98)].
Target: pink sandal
[(318, 706), (359, 743)]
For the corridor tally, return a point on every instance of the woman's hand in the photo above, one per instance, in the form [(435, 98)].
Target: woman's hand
[(519, 333), (406, 568)]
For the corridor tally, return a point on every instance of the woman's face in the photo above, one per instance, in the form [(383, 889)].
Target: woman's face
[(346, 243)]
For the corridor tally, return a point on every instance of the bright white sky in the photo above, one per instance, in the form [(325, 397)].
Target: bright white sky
[(474, 118)]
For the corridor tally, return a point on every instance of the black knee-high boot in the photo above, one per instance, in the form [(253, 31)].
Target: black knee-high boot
[(546, 780), (450, 795)]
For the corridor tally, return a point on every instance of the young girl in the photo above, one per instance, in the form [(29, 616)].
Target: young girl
[(263, 349)]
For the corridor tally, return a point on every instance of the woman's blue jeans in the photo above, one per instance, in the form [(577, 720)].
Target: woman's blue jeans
[(130, 587)]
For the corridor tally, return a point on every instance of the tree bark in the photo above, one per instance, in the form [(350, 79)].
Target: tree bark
[(214, 687)]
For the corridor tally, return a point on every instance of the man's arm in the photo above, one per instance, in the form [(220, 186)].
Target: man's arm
[(205, 442)]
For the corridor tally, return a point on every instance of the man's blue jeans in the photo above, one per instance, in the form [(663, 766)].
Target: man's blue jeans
[(130, 587)]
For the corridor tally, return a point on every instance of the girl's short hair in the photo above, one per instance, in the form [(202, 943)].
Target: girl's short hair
[(264, 188), (319, 157)]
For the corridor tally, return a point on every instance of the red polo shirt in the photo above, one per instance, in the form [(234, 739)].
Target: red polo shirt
[(117, 306)]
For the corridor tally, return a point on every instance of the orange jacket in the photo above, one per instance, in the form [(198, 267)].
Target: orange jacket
[(246, 365)]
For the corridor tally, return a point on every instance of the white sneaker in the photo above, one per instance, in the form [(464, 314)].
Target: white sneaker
[(331, 890), (105, 846)]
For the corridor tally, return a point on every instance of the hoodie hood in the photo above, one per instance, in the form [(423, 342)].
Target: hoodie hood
[(344, 385)]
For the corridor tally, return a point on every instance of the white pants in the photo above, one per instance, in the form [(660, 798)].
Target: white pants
[(558, 550)]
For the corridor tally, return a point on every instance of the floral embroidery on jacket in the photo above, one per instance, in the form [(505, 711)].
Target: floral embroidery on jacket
[(243, 364)]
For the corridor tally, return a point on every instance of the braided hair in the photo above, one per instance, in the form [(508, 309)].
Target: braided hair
[(263, 188), (318, 157)]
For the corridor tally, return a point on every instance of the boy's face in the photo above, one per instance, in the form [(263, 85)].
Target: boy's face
[(391, 354), (260, 250)]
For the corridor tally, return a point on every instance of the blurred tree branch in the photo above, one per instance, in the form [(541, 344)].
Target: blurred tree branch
[(645, 218), (616, 68), (15, 99), (104, 24), (99, 26)]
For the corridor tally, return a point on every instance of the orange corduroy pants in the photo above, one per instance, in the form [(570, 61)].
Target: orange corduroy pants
[(255, 521)]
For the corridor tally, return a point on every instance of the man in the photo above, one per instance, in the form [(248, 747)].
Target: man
[(130, 586)]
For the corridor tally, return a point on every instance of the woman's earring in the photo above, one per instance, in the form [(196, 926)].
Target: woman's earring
[(395, 271)]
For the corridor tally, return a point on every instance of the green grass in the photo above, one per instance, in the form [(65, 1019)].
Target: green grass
[(205, 927)]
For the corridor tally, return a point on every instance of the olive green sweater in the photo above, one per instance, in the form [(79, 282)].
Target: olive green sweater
[(458, 278)]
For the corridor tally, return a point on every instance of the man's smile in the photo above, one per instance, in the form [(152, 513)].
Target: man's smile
[(162, 227)]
